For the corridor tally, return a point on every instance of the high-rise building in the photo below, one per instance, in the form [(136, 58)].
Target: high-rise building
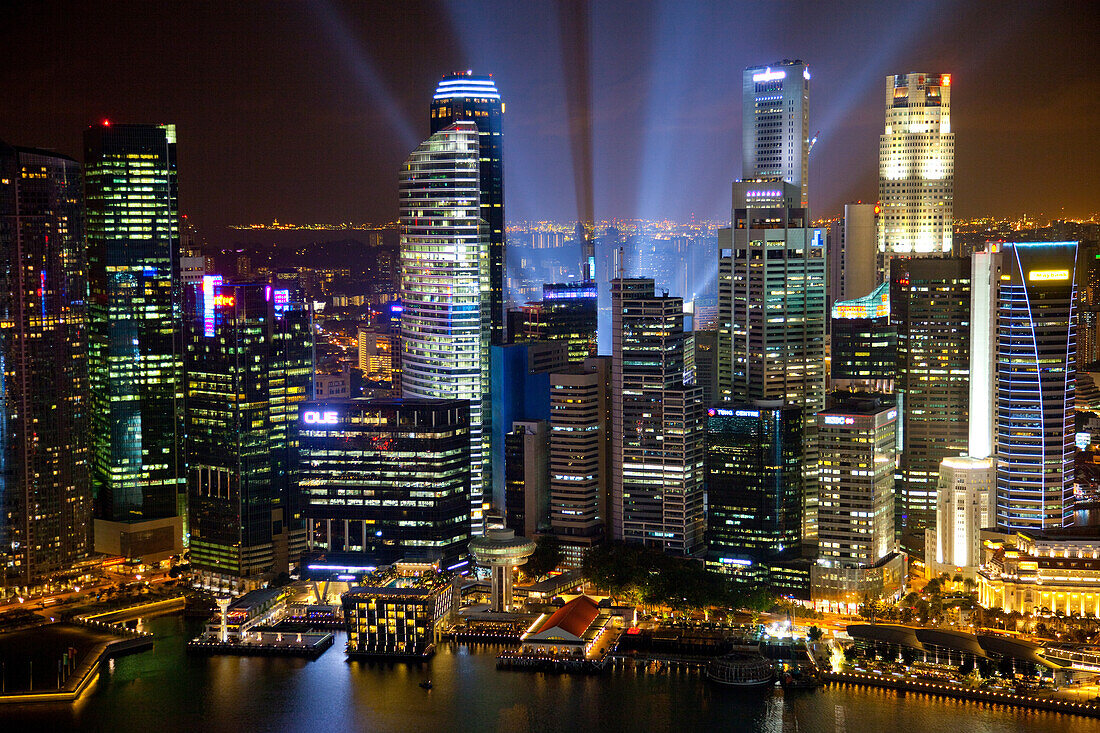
[(853, 253), (754, 485), (657, 423), (385, 479), (134, 359), (580, 440), (567, 312), (706, 365), (1035, 360), (916, 168), (466, 97), (930, 308), (775, 123), (771, 306), (864, 343), (248, 363), (527, 477), (964, 506), (445, 288), (858, 453), (45, 495)]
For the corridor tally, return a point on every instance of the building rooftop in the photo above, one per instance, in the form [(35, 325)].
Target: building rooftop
[(574, 617)]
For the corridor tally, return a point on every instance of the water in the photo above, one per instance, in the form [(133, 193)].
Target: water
[(168, 690)]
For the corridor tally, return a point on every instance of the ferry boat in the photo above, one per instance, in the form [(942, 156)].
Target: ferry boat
[(741, 670)]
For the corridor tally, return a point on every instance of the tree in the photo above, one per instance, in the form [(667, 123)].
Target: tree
[(932, 587), (545, 559), (908, 655), (967, 667), (814, 633)]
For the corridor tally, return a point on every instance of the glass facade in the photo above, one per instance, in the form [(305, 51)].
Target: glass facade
[(930, 308), (775, 123), (567, 313), (249, 365), (134, 357), (45, 495), (471, 98), (754, 485), (445, 289), (1035, 385), (864, 343), (387, 479)]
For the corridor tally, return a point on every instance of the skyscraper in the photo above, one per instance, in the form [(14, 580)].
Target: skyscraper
[(473, 98), (853, 253), (580, 440), (916, 168), (45, 495), (754, 485), (527, 477), (864, 343), (930, 308), (445, 288), (657, 423), (1035, 361), (134, 359), (567, 312), (248, 366), (771, 307), (775, 123)]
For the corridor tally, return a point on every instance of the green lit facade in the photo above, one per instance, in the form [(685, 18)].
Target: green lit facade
[(134, 359), (249, 363)]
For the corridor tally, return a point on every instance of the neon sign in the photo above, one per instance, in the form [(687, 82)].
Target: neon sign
[(839, 420), (314, 417), (223, 301), (769, 75), (1047, 275)]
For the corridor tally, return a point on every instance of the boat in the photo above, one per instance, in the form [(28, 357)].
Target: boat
[(745, 671), (798, 681), (426, 684)]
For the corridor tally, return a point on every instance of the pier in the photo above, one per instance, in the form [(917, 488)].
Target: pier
[(265, 643)]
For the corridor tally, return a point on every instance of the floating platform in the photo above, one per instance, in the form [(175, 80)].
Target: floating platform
[(270, 644)]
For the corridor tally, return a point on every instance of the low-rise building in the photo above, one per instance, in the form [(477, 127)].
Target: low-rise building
[(396, 621), (572, 631), (1042, 571)]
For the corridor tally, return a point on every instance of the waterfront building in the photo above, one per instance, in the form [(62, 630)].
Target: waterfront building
[(852, 253), (45, 494), (864, 343), (857, 435), (502, 552), (134, 360), (771, 304), (657, 423), (964, 506), (399, 621), (1042, 571), (471, 98), (1035, 357), (571, 631), (386, 479), (775, 123), (527, 477), (521, 391), (580, 438), (248, 364), (445, 289), (567, 312), (754, 485), (930, 307), (916, 168)]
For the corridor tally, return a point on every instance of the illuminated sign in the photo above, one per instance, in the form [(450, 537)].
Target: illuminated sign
[(313, 417), (839, 420), (806, 74), (209, 282), (747, 413), (1082, 440), (721, 412), (1047, 275), (571, 293), (769, 75), (946, 80), (222, 301)]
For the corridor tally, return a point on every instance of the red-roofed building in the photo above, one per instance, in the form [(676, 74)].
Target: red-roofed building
[(570, 631)]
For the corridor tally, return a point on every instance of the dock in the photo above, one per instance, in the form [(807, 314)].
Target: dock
[(265, 644)]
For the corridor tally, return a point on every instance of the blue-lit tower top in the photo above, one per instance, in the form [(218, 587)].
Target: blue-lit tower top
[(775, 123)]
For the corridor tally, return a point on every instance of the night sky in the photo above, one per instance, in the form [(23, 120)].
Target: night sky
[(304, 111)]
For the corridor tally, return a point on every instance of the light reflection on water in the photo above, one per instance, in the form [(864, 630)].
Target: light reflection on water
[(167, 690)]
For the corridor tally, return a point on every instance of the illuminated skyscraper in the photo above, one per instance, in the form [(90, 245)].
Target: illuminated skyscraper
[(657, 423), (775, 123), (1035, 362), (473, 98), (445, 288), (930, 308), (45, 495), (248, 364), (134, 358), (567, 312), (916, 168), (864, 344), (771, 311)]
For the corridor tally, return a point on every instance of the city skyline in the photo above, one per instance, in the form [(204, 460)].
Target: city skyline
[(651, 146)]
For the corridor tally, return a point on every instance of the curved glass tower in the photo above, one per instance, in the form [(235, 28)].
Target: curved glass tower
[(445, 287)]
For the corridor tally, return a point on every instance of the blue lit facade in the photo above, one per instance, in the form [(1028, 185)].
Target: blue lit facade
[(775, 123), (1035, 385)]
